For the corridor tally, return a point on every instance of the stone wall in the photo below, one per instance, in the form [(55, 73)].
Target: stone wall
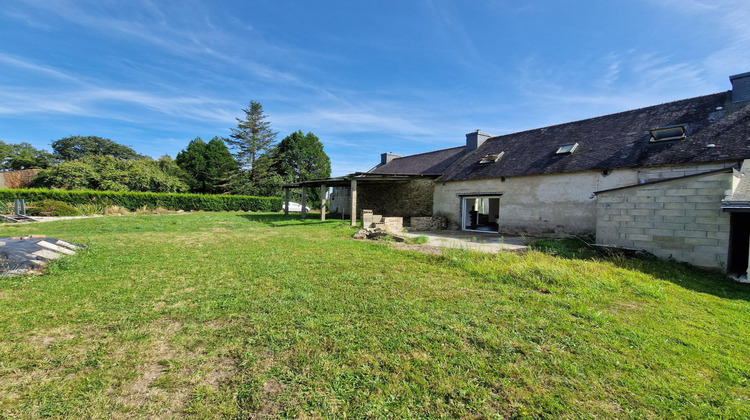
[(427, 223), (403, 199), (680, 219), (411, 198)]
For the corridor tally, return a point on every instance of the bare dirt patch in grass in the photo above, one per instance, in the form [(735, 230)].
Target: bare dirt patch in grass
[(142, 392), (423, 248), (45, 338), (225, 369), (270, 405)]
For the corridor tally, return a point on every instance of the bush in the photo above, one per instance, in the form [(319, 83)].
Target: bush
[(51, 208), (136, 200), (90, 208)]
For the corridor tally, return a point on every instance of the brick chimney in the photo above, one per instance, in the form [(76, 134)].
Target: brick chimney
[(740, 87), (475, 139), (387, 157)]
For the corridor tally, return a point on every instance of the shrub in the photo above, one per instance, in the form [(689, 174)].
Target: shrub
[(136, 200), (52, 208), (90, 208)]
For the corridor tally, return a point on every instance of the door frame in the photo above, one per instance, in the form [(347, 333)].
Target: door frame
[(463, 210)]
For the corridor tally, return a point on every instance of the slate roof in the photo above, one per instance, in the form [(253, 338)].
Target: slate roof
[(430, 163), (741, 194), (618, 141)]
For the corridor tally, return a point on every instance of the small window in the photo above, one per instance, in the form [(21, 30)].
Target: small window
[(491, 158), (567, 149), (674, 132)]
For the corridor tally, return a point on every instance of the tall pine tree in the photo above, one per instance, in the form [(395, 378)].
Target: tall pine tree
[(251, 139)]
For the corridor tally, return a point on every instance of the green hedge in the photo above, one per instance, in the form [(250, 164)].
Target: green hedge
[(136, 200)]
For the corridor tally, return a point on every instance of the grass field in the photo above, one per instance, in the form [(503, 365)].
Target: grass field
[(255, 315)]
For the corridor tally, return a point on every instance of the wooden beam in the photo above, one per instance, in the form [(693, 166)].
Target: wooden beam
[(304, 202), (323, 191), (286, 201), (354, 202)]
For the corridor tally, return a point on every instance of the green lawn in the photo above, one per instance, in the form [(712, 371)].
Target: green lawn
[(256, 315)]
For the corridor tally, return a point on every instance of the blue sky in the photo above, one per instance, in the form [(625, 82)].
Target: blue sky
[(366, 77)]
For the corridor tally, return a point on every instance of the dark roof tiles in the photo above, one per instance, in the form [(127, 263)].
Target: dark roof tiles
[(618, 141), (430, 163)]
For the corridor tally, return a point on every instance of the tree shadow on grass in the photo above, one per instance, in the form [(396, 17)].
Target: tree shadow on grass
[(293, 219), (681, 274)]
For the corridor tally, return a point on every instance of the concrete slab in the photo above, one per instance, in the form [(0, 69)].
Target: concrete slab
[(21, 254), (475, 241), (66, 245), (47, 254), (56, 248)]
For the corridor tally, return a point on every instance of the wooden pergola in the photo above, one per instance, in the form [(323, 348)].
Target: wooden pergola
[(351, 181)]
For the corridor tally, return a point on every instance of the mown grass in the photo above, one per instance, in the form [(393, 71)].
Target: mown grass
[(255, 315)]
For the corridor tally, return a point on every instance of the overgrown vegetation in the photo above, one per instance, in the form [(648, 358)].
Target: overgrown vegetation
[(258, 315), (135, 200), (52, 208), (259, 166), (108, 173)]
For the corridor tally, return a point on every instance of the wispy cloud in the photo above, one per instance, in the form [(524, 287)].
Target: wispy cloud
[(85, 98), (728, 21)]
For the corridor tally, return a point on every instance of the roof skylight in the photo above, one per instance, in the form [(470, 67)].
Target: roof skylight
[(567, 149), (672, 132), (491, 158)]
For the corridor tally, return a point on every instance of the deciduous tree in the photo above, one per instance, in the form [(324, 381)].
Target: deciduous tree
[(24, 156), (76, 147), (300, 157)]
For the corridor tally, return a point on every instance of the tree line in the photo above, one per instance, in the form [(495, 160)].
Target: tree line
[(249, 162)]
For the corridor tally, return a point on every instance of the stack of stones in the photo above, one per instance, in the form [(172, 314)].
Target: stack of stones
[(375, 225)]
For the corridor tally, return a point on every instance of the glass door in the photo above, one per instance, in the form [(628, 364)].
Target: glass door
[(480, 213)]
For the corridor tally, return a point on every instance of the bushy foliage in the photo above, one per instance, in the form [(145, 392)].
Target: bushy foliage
[(300, 157), (24, 156), (51, 208), (136, 200), (77, 147), (108, 173), (209, 165)]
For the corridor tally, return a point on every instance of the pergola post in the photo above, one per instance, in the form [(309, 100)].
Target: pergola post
[(354, 202), (286, 201), (323, 191), (304, 202)]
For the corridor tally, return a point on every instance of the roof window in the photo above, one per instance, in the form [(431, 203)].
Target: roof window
[(491, 158), (672, 132), (567, 149)]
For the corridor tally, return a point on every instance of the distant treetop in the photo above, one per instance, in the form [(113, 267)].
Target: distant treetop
[(77, 147)]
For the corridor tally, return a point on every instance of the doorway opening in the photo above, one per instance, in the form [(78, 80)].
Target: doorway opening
[(739, 243), (480, 213)]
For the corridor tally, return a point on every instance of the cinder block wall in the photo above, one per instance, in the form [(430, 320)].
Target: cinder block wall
[(680, 219)]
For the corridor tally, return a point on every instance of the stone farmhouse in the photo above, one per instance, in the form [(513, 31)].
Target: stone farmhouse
[(666, 178)]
